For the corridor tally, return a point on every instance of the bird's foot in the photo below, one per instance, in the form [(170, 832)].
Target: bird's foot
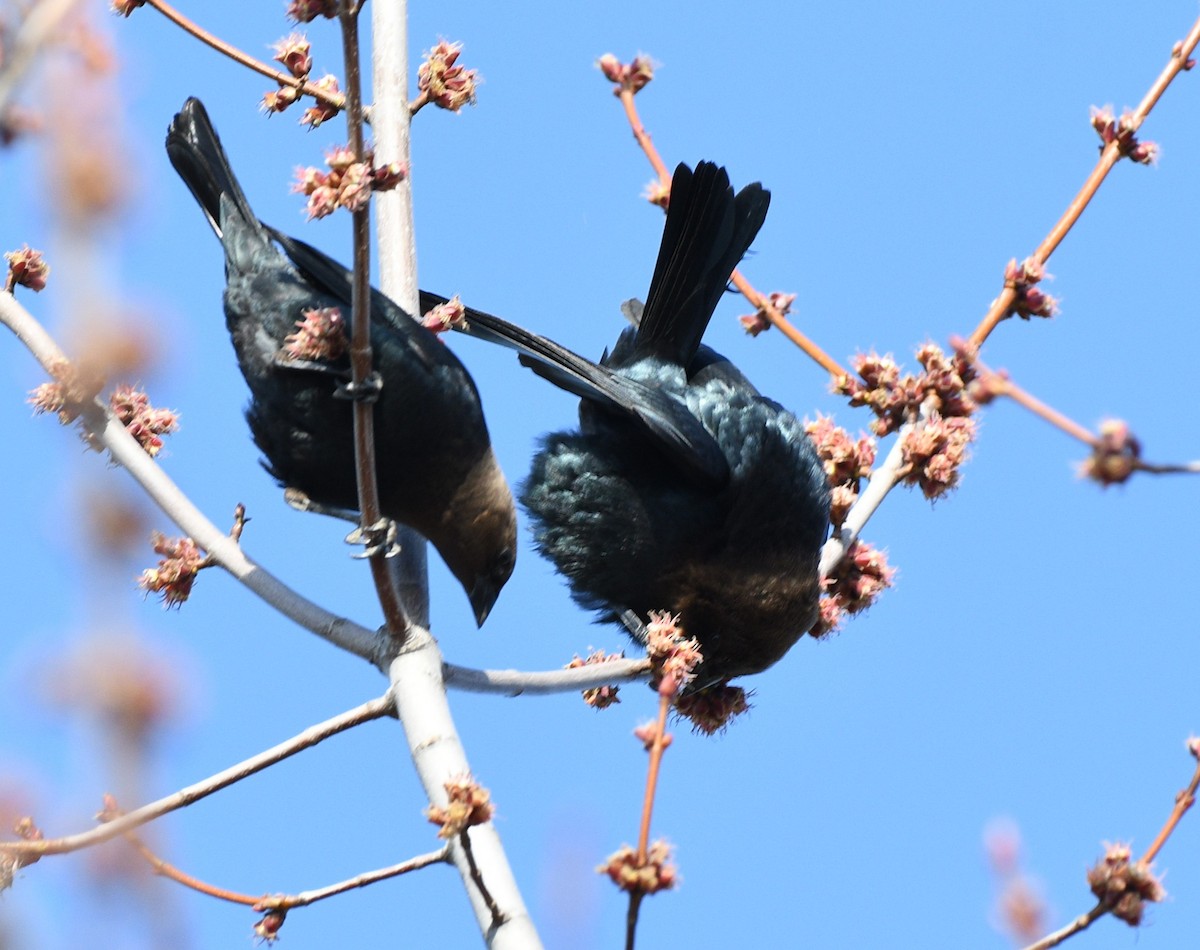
[(367, 391), (377, 538)]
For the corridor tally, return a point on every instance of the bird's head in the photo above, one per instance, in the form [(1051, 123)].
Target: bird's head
[(477, 535)]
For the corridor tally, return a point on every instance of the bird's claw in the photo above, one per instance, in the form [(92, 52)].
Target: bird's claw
[(367, 391), (377, 538)]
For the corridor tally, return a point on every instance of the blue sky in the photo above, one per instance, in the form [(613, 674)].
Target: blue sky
[(1036, 660)]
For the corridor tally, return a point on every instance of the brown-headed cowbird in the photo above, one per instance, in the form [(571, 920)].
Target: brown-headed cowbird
[(434, 462), (683, 490)]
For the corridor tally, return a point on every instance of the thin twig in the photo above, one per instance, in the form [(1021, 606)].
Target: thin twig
[(125, 451), (1077, 925), (304, 898), (1006, 387), (656, 755), (476, 876), (626, 94), (549, 682), (631, 918), (285, 902), (375, 709), (332, 99), (1183, 801), (169, 871), (760, 302), (361, 362), (757, 299), (1002, 306)]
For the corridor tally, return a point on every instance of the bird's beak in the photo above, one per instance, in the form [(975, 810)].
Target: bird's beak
[(483, 597)]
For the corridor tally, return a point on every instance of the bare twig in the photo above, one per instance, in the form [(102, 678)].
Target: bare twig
[(1077, 925), (518, 682), (464, 839), (1002, 306), (375, 709), (656, 754), (361, 363), (1183, 801), (759, 301), (285, 902), (304, 898), (238, 56)]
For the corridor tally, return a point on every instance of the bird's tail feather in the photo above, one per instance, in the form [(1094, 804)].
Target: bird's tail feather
[(708, 230), (196, 152)]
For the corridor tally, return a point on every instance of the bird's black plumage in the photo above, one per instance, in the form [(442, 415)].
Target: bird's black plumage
[(683, 489), (434, 462)]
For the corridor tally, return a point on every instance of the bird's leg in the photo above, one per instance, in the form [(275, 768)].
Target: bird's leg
[(633, 623), (380, 537), (367, 391), (377, 538)]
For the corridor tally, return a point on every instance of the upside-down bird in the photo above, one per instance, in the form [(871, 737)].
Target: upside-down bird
[(434, 462), (683, 489)]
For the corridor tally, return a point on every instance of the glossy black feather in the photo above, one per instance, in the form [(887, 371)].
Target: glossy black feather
[(435, 466), (632, 508)]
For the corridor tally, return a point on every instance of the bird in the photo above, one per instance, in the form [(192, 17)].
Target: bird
[(683, 489), (435, 467)]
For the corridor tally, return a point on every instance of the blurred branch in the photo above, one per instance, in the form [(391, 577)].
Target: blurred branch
[(37, 30), (375, 709), (282, 903), (126, 452)]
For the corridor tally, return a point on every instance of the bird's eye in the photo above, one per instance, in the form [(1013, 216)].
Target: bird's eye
[(505, 562)]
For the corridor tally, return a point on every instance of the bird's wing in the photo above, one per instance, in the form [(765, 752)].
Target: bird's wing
[(666, 419)]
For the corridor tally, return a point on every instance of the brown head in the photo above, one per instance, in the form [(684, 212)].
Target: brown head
[(477, 534)]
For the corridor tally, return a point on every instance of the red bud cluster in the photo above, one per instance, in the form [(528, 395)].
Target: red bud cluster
[(633, 76), (1123, 885), (634, 876), (176, 572), (598, 697), (860, 577), (348, 183), (1122, 131), (442, 81), (758, 322), (469, 804), (1115, 455), (321, 335)]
